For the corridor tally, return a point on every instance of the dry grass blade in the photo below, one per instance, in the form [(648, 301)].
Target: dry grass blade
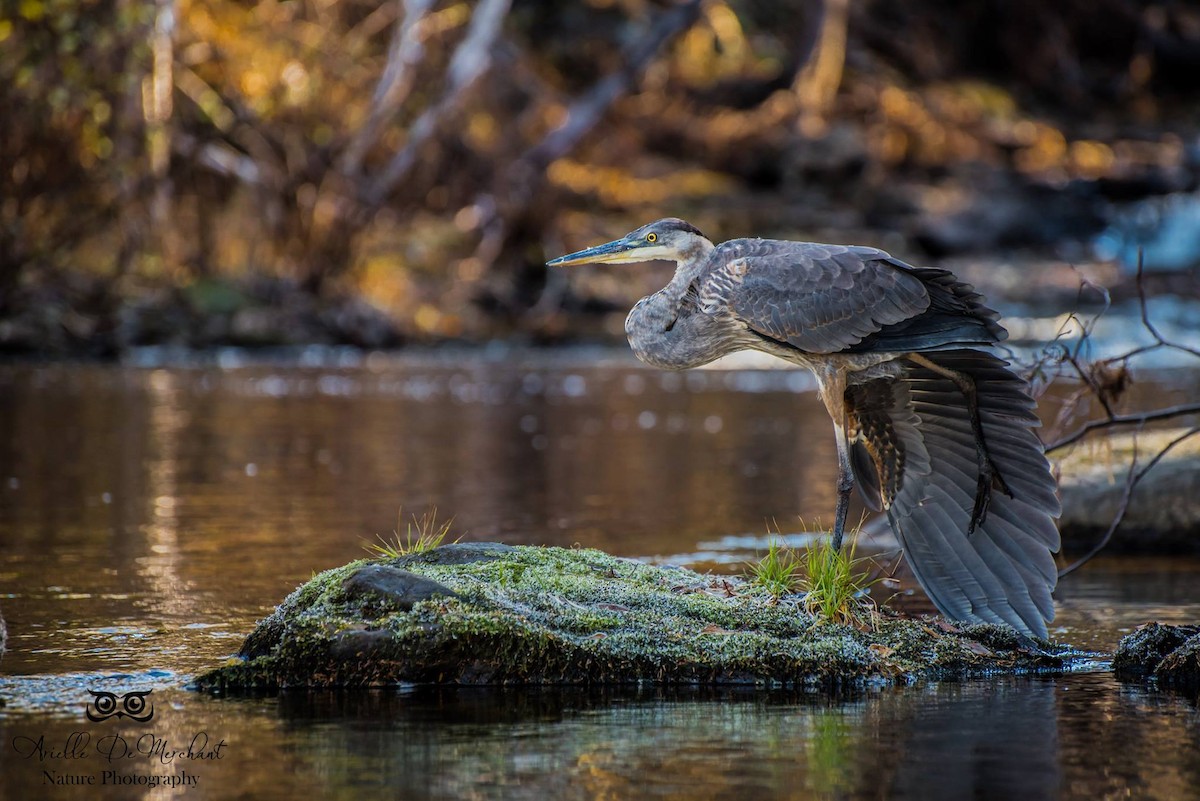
[(421, 534)]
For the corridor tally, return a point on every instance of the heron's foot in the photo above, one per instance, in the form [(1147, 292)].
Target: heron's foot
[(996, 479), (983, 499), (989, 479)]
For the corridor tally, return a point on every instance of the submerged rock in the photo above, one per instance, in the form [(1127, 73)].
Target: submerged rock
[(1165, 506), (481, 613), (1170, 654)]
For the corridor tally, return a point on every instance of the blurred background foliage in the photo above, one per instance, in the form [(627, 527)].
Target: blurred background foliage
[(202, 172)]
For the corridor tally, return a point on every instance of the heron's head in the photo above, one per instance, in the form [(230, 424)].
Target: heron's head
[(671, 239)]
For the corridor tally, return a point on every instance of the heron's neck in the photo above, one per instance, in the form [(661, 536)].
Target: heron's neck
[(687, 269), (666, 332)]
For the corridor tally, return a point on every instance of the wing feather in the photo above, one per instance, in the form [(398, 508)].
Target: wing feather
[(1004, 571), (820, 298), (843, 298)]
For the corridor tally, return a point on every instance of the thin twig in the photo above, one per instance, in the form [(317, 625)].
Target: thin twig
[(1090, 381), (1094, 386), (1113, 420), (1057, 351), (1146, 316), (1123, 420)]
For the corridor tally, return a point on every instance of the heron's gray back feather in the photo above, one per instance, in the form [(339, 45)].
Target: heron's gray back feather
[(843, 298), (917, 430)]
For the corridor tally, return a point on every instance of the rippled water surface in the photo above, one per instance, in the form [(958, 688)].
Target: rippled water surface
[(149, 516)]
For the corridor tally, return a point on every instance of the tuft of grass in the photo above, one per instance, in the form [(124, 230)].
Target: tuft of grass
[(835, 582), (421, 534), (776, 572)]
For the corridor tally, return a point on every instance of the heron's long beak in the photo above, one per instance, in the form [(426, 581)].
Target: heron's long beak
[(616, 252)]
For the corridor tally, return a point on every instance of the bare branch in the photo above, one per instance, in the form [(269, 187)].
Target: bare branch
[(817, 84), (1104, 380), (404, 55), (470, 61), (220, 158), (1113, 420), (1146, 317), (1124, 420), (237, 124), (527, 173), (206, 98), (1057, 351), (587, 110)]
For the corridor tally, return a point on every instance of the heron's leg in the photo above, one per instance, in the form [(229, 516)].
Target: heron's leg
[(845, 485), (989, 473), (831, 383)]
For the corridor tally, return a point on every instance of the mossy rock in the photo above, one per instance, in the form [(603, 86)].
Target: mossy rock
[(482, 613), (1168, 654)]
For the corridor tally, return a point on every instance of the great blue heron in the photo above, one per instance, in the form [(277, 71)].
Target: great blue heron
[(933, 430)]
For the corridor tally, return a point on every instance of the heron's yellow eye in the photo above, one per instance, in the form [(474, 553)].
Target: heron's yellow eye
[(651, 237)]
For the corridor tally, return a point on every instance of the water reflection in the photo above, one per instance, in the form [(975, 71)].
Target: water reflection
[(1019, 738), (1032, 738)]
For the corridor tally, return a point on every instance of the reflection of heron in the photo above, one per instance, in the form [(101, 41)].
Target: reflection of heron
[(932, 430)]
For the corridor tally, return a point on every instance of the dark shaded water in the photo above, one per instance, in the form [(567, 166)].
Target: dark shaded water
[(148, 517)]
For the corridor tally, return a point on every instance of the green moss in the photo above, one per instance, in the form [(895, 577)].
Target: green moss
[(552, 615)]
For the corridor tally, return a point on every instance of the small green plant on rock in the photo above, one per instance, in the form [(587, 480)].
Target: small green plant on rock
[(775, 572), (421, 534), (834, 582)]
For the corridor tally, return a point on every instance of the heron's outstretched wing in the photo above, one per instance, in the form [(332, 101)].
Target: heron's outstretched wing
[(843, 298), (917, 431)]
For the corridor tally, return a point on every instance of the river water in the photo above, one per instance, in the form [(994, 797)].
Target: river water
[(149, 516)]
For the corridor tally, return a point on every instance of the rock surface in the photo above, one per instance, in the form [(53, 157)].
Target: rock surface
[(1169, 654), (483, 613)]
